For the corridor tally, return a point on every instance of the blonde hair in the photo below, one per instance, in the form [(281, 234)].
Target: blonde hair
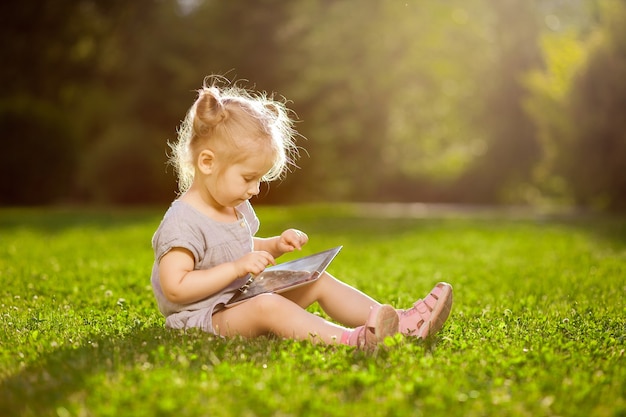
[(228, 119)]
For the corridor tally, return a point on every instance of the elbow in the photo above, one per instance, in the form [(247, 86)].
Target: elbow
[(172, 292), (173, 296)]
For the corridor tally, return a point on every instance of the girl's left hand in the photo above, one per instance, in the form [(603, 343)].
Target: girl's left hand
[(291, 239)]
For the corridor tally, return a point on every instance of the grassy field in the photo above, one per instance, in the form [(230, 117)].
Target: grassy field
[(538, 327)]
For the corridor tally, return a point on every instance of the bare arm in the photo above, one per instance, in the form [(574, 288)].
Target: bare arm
[(182, 284), (288, 241)]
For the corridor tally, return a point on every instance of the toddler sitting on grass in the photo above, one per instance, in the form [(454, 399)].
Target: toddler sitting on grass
[(206, 249)]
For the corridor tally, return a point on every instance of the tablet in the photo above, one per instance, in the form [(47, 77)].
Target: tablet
[(285, 276)]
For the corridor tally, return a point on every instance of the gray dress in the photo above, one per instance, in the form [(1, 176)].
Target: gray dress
[(211, 243)]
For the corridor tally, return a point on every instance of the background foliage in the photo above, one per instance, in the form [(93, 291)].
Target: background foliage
[(481, 101)]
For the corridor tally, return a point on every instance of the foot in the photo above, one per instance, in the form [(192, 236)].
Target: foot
[(427, 316), (382, 322)]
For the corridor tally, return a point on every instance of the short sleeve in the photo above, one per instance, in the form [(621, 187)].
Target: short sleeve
[(174, 233)]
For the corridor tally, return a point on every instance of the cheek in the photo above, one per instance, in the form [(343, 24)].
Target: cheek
[(235, 183)]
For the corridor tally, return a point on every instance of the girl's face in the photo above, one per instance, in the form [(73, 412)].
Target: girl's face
[(232, 184)]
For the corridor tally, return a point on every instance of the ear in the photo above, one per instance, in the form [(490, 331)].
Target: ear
[(206, 162)]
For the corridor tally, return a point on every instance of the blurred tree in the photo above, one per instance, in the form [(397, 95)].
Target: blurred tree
[(134, 104), (403, 100), (387, 90), (594, 163), (548, 106), (578, 103), (120, 169), (38, 153), (243, 41), (333, 74), (431, 135), (512, 149), (40, 55), (53, 51)]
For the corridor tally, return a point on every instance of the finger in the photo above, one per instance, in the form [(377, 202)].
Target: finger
[(269, 259), (298, 240), (302, 237), (261, 265), (293, 244)]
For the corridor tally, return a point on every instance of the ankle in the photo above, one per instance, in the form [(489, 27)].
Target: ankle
[(351, 337)]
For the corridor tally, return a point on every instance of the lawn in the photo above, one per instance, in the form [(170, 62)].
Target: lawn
[(538, 326)]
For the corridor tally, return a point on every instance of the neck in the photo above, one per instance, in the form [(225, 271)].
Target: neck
[(205, 203)]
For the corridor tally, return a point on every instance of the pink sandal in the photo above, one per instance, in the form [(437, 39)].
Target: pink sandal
[(382, 322), (427, 316)]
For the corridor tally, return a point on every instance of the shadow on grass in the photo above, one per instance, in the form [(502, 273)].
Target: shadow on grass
[(45, 385), (61, 381)]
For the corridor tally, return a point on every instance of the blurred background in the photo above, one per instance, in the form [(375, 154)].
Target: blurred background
[(448, 101)]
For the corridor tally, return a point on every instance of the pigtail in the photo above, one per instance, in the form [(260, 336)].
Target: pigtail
[(209, 111), (200, 122)]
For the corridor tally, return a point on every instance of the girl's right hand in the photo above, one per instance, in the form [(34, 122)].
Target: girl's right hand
[(253, 263)]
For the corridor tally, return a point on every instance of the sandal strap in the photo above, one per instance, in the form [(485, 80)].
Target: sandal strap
[(413, 319)]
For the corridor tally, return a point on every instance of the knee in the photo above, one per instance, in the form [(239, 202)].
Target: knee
[(325, 280), (265, 305)]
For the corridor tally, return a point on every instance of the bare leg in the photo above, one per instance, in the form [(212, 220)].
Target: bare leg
[(341, 302), (273, 313)]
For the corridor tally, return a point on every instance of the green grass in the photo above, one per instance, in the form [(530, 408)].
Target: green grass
[(538, 327)]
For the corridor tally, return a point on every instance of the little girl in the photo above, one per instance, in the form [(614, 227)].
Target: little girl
[(206, 249)]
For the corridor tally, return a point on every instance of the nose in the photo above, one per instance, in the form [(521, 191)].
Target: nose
[(255, 189)]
